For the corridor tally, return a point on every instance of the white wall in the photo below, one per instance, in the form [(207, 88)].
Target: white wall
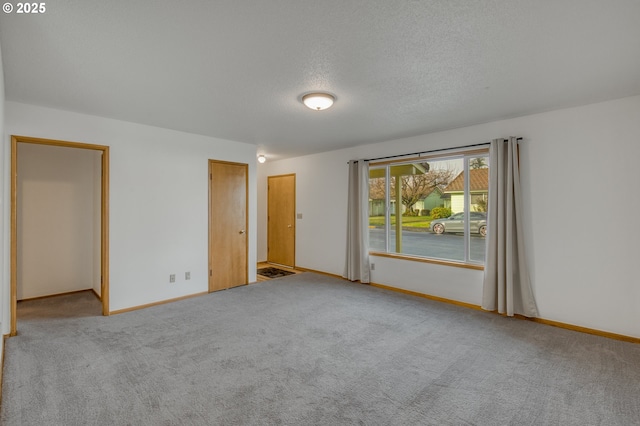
[(158, 199), (322, 226), (56, 217), (97, 222), (579, 169)]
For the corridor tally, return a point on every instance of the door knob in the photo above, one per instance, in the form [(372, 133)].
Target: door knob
[(242, 231), (288, 226)]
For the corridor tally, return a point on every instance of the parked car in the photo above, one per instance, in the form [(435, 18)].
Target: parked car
[(455, 223)]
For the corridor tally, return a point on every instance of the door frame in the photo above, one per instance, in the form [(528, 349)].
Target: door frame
[(295, 227), (104, 219), (246, 219)]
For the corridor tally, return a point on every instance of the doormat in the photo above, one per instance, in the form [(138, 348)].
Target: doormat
[(273, 272)]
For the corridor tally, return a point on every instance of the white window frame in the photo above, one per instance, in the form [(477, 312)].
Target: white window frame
[(466, 156)]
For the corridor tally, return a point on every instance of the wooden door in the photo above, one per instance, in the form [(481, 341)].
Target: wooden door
[(281, 219), (228, 241)]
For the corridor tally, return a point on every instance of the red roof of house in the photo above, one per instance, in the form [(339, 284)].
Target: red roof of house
[(479, 181)]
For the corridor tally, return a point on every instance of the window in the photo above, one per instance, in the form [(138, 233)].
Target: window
[(432, 208)]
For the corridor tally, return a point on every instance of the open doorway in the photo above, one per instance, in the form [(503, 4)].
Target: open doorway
[(59, 220)]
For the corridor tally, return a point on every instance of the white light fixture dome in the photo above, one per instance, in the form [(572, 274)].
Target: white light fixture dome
[(261, 158), (318, 101)]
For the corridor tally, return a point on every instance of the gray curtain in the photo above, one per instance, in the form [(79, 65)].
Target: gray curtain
[(357, 265), (506, 287)]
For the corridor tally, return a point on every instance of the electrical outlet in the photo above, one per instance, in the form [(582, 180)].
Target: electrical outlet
[(187, 275), (172, 278), (373, 266)]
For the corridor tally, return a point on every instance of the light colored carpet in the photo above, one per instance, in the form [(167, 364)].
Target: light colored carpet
[(310, 350)]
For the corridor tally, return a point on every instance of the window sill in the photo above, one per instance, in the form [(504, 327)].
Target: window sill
[(427, 260)]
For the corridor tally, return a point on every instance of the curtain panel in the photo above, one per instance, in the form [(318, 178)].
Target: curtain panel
[(357, 262), (506, 286)]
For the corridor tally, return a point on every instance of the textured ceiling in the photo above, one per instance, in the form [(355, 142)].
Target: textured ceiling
[(236, 69)]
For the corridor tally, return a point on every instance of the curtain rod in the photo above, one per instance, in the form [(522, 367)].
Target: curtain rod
[(430, 151)]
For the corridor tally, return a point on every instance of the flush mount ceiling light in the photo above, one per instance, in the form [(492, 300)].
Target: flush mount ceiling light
[(318, 101), (261, 158)]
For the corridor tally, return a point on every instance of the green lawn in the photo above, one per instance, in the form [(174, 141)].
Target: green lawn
[(407, 221)]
